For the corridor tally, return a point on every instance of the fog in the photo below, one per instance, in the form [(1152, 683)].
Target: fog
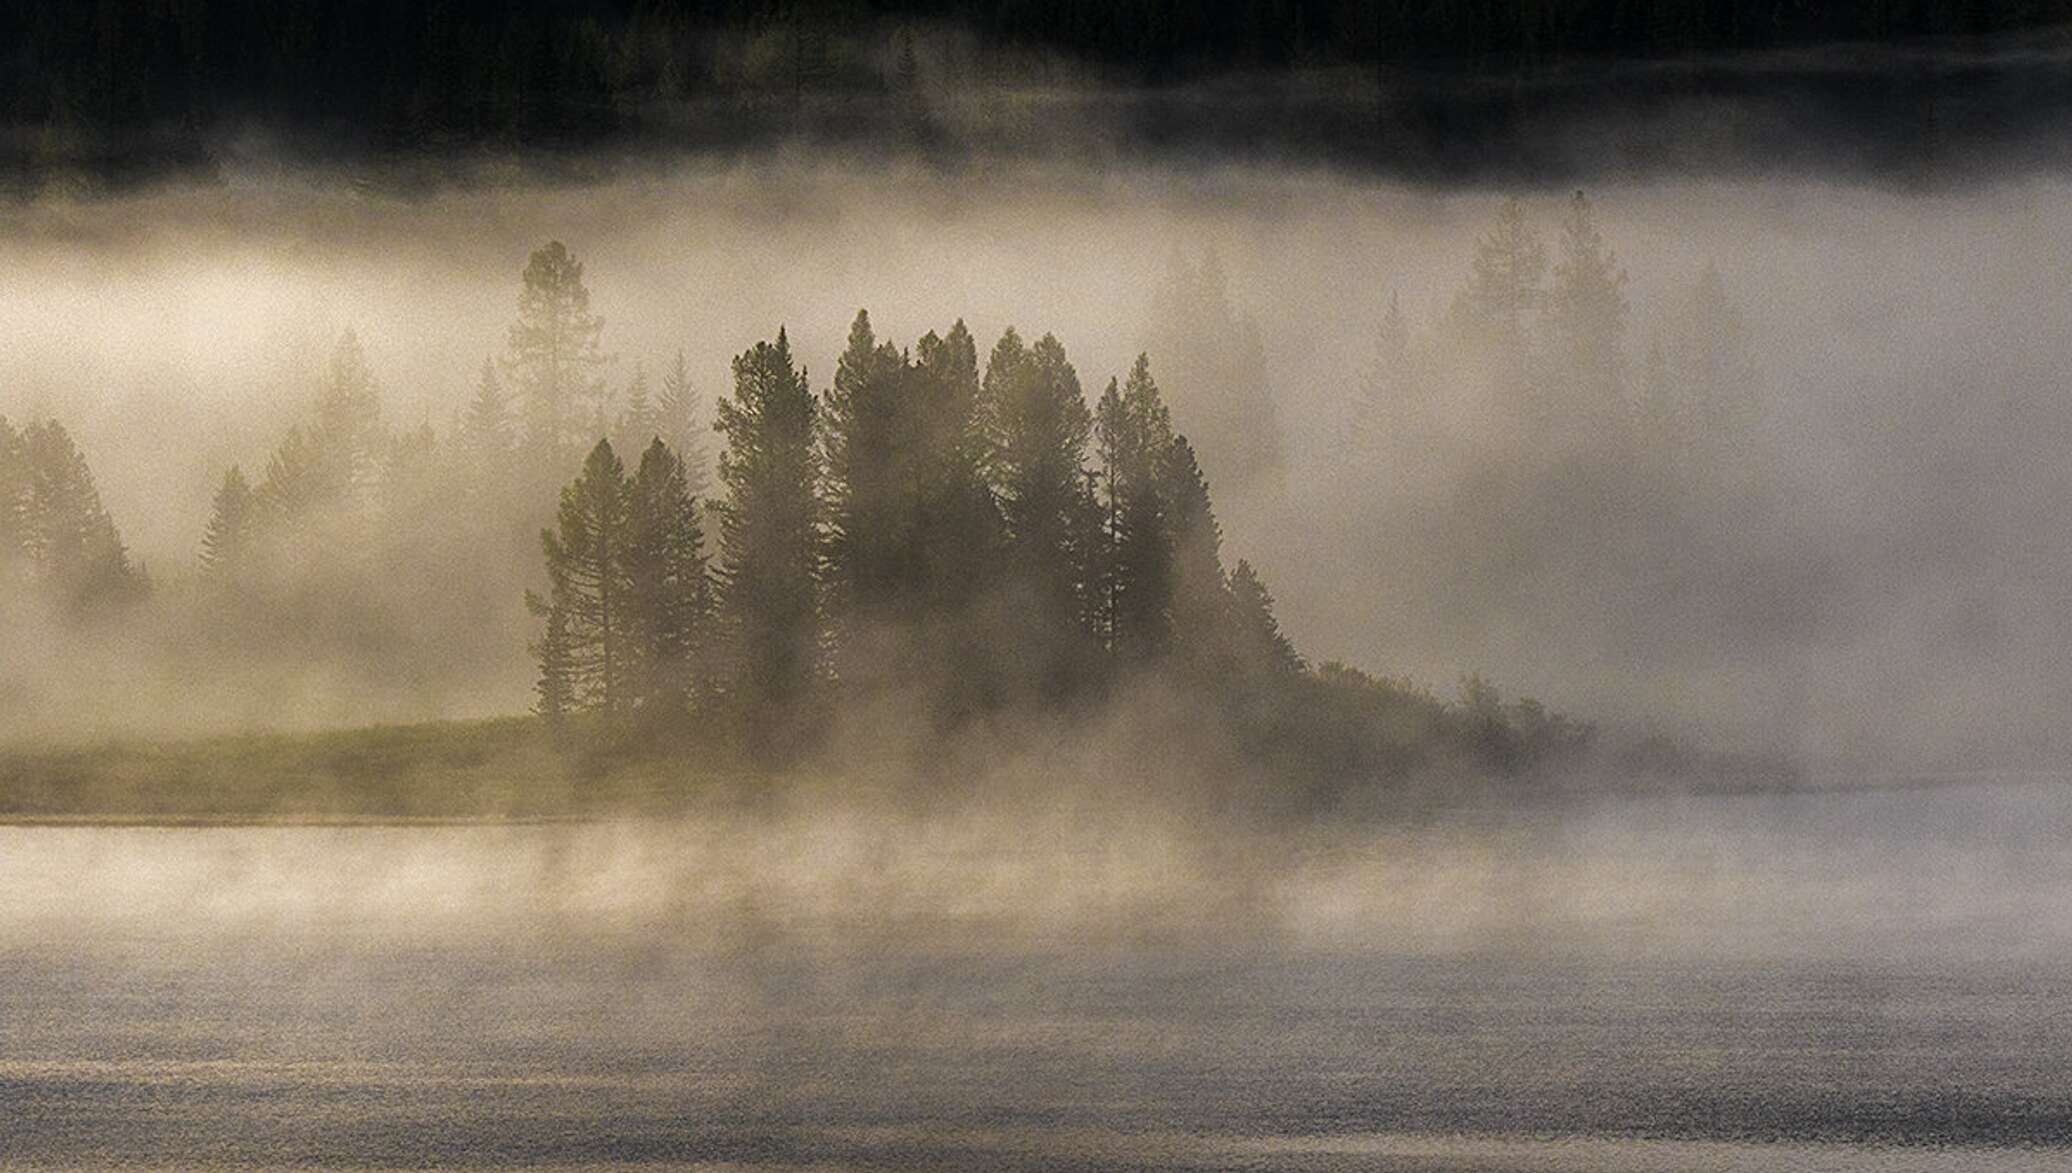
[(1880, 587)]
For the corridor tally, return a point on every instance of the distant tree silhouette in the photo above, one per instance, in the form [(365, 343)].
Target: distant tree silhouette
[(14, 504), (639, 421), (488, 433), (676, 421), (226, 546), (1586, 326), (1499, 307), (771, 542), (1215, 361), (1260, 644), (67, 538), (554, 363), (1200, 601)]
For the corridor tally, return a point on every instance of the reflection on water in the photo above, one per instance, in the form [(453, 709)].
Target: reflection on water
[(268, 1029)]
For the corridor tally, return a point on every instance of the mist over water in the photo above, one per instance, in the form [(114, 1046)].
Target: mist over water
[(1090, 946)]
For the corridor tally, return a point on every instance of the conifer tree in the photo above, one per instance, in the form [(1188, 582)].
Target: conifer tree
[(488, 430), (586, 574), (292, 486), (348, 443), (1586, 325), (1499, 307), (1040, 426), (960, 520), (872, 445), (70, 542), (668, 590), (771, 545), (14, 503), (554, 363), (554, 691), (1261, 646), (1200, 604), (676, 421), (1135, 435), (226, 546), (639, 421)]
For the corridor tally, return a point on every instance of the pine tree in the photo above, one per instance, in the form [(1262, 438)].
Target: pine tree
[(70, 542), (554, 363), (1504, 294), (488, 430), (676, 421), (668, 590), (639, 421), (1216, 363), (770, 529), (1261, 646), (872, 445), (14, 503), (1135, 437), (960, 521), (348, 443), (588, 588), (292, 486), (1200, 601), (1392, 391), (555, 689), (226, 546), (1586, 326), (1040, 426)]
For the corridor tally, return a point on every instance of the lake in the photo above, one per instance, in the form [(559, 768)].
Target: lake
[(1872, 980)]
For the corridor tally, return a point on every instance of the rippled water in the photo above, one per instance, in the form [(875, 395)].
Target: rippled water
[(627, 1020)]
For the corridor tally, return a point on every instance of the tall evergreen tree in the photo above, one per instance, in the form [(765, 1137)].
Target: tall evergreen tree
[(1216, 361), (1200, 602), (639, 421), (554, 691), (676, 421), (1260, 644), (348, 443), (1586, 326), (14, 504), (70, 542), (1505, 293), (1040, 426), (771, 544), (1135, 436), (226, 546), (488, 432), (960, 520), (554, 363), (873, 447), (668, 589), (586, 573)]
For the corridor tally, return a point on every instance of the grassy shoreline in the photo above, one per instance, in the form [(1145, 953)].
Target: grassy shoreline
[(493, 771)]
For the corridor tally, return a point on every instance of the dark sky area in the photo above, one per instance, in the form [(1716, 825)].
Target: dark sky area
[(104, 95)]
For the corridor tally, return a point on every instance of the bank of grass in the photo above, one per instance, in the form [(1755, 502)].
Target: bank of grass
[(488, 770)]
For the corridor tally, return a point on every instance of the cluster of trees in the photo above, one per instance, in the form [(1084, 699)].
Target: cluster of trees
[(108, 82), (1541, 337), (55, 538), (977, 535), (957, 534)]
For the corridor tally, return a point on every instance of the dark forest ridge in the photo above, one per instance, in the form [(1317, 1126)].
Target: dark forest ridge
[(111, 95)]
